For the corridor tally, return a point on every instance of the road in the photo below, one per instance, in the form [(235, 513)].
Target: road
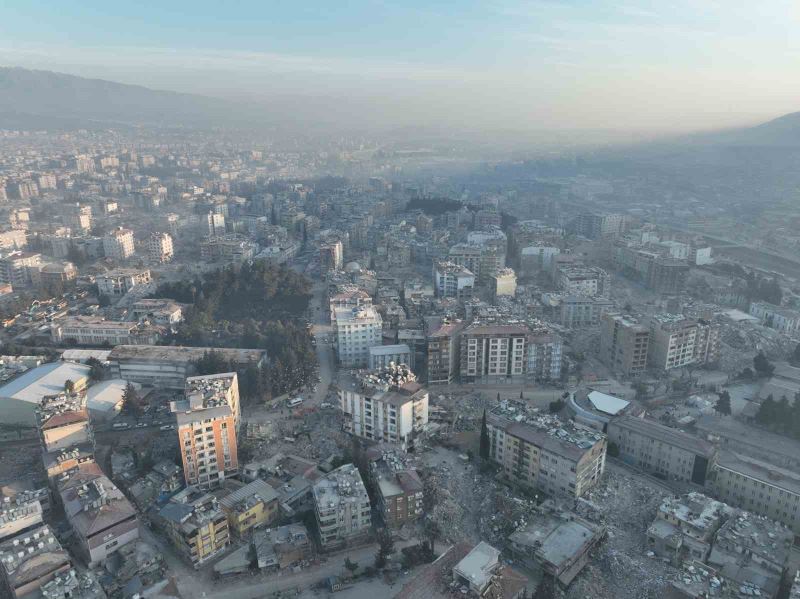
[(322, 332)]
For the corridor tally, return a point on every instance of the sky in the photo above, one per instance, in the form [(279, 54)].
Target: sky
[(668, 65)]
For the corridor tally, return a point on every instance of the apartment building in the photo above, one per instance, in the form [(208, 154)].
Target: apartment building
[(331, 256), (118, 244), (160, 248), (65, 434), (493, 351), (398, 487), (252, 506), (443, 349), (542, 452), (662, 450), (229, 249), (196, 526), (624, 344), (758, 486), (380, 356), (357, 329), (672, 341), (466, 256), (18, 515), (214, 224), (582, 280), (348, 297), (535, 259), (120, 281), (598, 226), (385, 405), (659, 273), (16, 268), (575, 311), (208, 422), (452, 280), (15, 239), (342, 507)]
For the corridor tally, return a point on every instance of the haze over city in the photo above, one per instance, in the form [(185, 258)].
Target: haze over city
[(647, 67), (413, 300)]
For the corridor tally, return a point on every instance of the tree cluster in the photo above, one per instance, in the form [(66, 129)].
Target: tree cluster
[(780, 416)]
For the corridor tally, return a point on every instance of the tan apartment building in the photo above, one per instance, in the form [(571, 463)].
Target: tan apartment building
[(252, 506), (208, 422), (624, 344), (541, 452)]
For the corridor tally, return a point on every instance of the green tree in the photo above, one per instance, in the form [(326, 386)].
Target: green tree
[(723, 405), (546, 588), (96, 370), (385, 548), (69, 387), (131, 403), (762, 366), (612, 449), (485, 445), (555, 406)]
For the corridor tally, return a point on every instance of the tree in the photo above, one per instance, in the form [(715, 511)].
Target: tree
[(612, 449), (96, 370), (762, 366), (555, 406), (794, 359), (485, 446), (723, 405), (69, 387), (385, 549), (350, 565), (131, 404)]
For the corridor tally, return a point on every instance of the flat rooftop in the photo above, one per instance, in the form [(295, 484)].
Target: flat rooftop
[(665, 434), (181, 354)]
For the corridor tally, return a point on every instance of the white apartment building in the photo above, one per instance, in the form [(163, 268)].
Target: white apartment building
[(215, 224), (505, 283), (542, 452), (385, 405), (672, 341), (160, 248), (452, 280), (357, 329), (118, 244), (582, 280), (118, 282), (380, 356), (208, 420), (342, 507)]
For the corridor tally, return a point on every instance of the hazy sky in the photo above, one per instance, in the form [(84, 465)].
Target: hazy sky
[(669, 64)]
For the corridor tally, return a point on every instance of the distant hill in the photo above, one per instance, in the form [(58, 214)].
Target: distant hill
[(783, 131), (28, 98)]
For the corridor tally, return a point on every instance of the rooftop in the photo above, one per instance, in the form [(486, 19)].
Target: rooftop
[(47, 379), (181, 354), (608, 404), (544, 430), (478, 565), (782, 478), (30, 555), (343, 485), (556, 538), (248, 495), (61, 410), (665, 434), (695, 509)]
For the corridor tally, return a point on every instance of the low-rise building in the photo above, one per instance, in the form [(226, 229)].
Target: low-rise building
[(281, 547), (92, 330), (342, 507), (477, 568), (380, 356), (196, 525), (685, 526), (252, 506), (781, 319), (20, 397), (662, 450), (31, 560), (120, 281), (18, 515), (541, 452), (556, 544)]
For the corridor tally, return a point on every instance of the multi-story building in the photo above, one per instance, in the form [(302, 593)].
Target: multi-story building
[(15, 239), (342, 507), (505, 283), (544, 453), (159, 248), (118, 244), (118, 282), (582, 280), (65, 433), (227, 248), (169, 365), (357, 329), (18, 515), (597, 226), (672, 341), (380, 356), (467, 256), (685, 526), (196, 525), (30, 561), (208, 422), (101, 517), (575, 311), (348, 297), (662, 450), (537, 258), (16, 268), (781, 319), (661, 274), (624, 344), (452, 280), (251, 506), (707, 347), (92, 330), (215, 224), (385, 405), (509, 351), (331, 256), (758, 486), (398, 487), (443, 349)]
